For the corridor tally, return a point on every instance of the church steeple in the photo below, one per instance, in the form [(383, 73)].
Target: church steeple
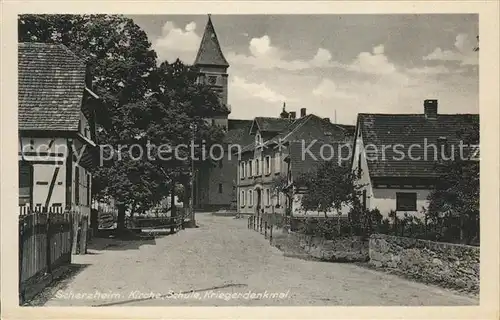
[(212, 69), (209, 52)]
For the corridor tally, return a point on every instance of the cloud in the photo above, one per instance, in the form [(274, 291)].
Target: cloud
[(463, 52), (176, 42), (263, 55), (328, 89), (433, 70), (375, 62), (258, 90)]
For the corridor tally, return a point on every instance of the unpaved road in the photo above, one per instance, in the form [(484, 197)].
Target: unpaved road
[(225, 264)]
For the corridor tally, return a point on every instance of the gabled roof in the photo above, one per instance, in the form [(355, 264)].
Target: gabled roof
[(209, 52), (306, 158), (308, 128), (51, 87), (238, 123), (238, 132), (406, 130), (265, 124)]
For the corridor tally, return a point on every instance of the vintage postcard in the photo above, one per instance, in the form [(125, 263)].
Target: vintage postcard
[(175, 157)]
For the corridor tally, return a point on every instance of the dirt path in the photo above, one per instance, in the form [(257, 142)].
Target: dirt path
[(225, 264)]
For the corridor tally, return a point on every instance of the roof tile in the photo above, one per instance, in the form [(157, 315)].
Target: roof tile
[(381, 131), (51, 87)]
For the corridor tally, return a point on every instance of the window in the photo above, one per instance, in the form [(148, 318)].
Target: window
[(268, 197), (364, 199), (406, 201), (277, 163), (25, 183), (278, 199), (267, 165), (258, 139), (250, 198), (220, 187), (212, 80), (359, 163), (77, 185), (242, 198), (249, 168), (243, 168), (257, 167)]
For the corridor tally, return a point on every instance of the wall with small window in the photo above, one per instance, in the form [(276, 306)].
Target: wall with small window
[(408, 200)]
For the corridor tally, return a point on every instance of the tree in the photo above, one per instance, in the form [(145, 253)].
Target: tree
[(330, 187), (454, 203), (145, 104)]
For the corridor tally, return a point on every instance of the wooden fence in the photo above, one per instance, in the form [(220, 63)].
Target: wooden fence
[(45, 242), (265, 223)]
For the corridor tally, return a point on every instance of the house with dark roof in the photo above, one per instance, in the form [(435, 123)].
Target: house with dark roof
[(56, 114), (397, 155), (277, 152)]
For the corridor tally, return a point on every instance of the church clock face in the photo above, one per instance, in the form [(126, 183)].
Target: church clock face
[(212, 80)]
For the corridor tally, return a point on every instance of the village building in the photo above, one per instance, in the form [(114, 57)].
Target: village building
[(397, 156), (277, 154), (57, 138)]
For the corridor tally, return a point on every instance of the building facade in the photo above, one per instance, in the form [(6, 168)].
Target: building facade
[(56, 129), (275, 157)]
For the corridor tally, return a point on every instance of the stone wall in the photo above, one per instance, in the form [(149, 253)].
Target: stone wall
[(348, 249), (446, 264)]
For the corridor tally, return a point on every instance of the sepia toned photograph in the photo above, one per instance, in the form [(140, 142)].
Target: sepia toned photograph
[(248, 160)]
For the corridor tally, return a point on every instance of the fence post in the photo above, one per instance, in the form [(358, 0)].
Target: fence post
[(260, 225), (48, 241), (271, 234), (21, 246), (265, 229)]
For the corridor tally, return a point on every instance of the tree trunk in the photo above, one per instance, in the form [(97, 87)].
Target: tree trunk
[(76, 223), (120, 223), (83, 238), (338, 224), (461, 220), (173, 213), (186, 201)]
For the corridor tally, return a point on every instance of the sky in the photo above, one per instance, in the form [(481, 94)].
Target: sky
[(333, 64)]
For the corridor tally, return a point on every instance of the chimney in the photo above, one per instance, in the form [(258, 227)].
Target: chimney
[(293, 114), (430, 108), (302, 112), (327, 120)]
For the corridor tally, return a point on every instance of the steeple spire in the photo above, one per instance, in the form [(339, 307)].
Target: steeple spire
[(210, 53)]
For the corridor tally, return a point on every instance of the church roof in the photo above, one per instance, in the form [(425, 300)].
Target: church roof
[(210, 52)]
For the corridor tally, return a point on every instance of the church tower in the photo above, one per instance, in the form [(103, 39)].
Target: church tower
[(212, 66)]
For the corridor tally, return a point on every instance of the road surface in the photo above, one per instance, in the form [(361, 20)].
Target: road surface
[(222, 263)]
